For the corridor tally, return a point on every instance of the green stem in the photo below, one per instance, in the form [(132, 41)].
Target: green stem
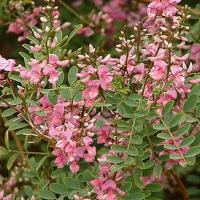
[(174, 140), (29, 152), (73, 12)]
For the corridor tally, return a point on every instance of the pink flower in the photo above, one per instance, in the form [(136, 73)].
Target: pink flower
[(139, 72), (155, 8), (166, 97), (74, 167), (104, 77), (111, 195), (162, 8), (87, 31), (15, 28), (103, 134), (1, 194), (49, 70), (90, 155), (115, 10), (61, 159), (92, 91), (158, 70), (7, 65), (148, 90)]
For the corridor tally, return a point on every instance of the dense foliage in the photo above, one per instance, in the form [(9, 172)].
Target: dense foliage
[(102, 102)]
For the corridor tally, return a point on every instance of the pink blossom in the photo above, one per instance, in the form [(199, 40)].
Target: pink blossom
[(61, 159), (166, 97), (87, 31), (90, 155), (104, 77), (7, 65), (74, 167), (103, 134), (49, 70), (162, 8), (158, 70)]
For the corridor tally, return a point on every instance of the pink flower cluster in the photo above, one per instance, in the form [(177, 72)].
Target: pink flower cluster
[(23, 24), (46, 68), (7, 65), (110, 12), (48, 64), (95, 79), (70, 127), (104, 186), (166, 8)]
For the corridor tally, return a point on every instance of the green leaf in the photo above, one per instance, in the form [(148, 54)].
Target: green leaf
[(3, 151), (73, 33), (72, 75), (85, 176), (168, 107), (40, 163), (8, 112), (195, 90), (46, 194), (159, 127), (154, 198), (25, 56), (178, 119), (187, 141), (169, 146), (137, 179), (125, 110), (71, 183), (190, 103), (27, 47), (116, 168), (193, 151), (11, 160), (61, 77), (114, 159), (157, 170), (183, 130), (136, 139), (17, 126), (28, 190), (26, 131), (33, 39), (7, 140), (119, 148), (127, 186), (113, 98), (123, 125), (197, 113), (58, 188), (164, 136), (135, 196), (153, 187), (175, 157), (71, 93), (15, 77), (132, 151), (52, 96)]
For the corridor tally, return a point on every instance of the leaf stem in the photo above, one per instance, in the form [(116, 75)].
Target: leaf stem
[(174, 141)]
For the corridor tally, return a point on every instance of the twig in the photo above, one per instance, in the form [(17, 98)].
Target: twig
[(182, 187), (19, 147), (73, 12)]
